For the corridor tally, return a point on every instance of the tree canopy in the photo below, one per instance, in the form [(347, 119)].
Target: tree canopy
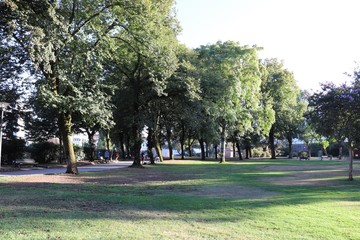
[(116, 66)]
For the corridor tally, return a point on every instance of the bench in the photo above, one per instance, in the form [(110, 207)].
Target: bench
[(304, 158), (329, 157), (25, 162)]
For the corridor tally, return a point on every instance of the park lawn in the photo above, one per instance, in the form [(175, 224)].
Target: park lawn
[(254, 199)]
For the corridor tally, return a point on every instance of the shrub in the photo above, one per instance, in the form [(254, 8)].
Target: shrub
[(13, 149), (44, 152), (259, 152), (89, 153), (79, 152)]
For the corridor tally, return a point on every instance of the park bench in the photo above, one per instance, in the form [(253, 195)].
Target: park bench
[(304, 158), (25, 162), (329, 157)]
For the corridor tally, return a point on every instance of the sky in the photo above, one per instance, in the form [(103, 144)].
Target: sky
[(318, 40)]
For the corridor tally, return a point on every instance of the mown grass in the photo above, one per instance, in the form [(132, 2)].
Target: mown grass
[(257, 199)]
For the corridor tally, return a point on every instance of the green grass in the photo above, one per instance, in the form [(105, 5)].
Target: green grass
[(257, 199)]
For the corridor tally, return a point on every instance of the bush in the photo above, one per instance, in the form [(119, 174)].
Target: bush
[(89, 153), (44, 152), (79, 152), (13, 149), (259, 152)]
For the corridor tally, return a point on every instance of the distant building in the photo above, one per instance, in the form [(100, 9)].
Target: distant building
[(79, 139), (299, 147)]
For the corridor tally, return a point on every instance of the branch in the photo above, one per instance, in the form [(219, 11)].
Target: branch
[(23, 46), (109, 28), (130, 45), (89, 19), (72, 14)]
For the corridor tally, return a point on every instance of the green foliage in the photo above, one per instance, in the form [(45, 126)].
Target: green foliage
[(79, 153), (70, 43), (334, 112), (13, 149), (41, 123), (117, 65), (230, 85), (44, 152), (281, 91), (143, 59), (260, 153), (280, 87)]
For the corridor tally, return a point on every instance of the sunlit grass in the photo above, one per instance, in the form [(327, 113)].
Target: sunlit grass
[(257, 199)]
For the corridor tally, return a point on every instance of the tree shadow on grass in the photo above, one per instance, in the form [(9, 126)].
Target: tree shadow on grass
[(180, 193)]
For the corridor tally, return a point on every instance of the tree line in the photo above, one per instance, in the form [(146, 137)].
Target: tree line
[(117, 66)]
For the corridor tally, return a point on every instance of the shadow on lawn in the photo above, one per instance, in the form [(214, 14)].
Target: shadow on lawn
[(168, 191)]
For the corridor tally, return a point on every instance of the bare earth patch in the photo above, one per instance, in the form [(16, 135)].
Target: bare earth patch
[(124, 176), (142, 177), (288, 176), (306, 175), (232, 191)]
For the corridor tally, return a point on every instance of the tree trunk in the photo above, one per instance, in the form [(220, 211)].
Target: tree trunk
[(65, 130), (158, 146), (290, 140), (128, 152), (157, 133), (239, 149), (61, 150), (222, 144), (309, 150), (182, 150), (150, 145), (202, 147), (246, 152), (233, 148), (182, 141), (159, 151), (136, 147), (351, 161), (340, 153), (272, 142), (108, 142), (122, 148), (91, 144), (216, 151), (168, 138), (206, 149), (189, 147), (325, 151)]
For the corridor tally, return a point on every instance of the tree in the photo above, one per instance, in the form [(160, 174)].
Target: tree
[(280, 87), (180, 104), (60, 39), (230, 84), (308, 135), (293, 121), (324, 145), (68, 41), (143, 61), (335, 113)]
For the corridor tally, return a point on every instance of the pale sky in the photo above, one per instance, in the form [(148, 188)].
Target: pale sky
[(318, 40)]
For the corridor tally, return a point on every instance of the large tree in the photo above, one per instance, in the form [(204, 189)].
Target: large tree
[(180, 105), (230, 84), (143, 61), (280, 88), (66, 42), (295, 117), (335, 113)]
